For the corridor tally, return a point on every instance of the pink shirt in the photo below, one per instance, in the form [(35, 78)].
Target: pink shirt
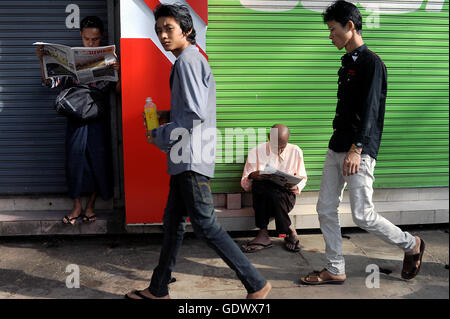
[(290, 161)]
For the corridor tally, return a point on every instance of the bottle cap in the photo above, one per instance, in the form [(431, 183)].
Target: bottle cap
[(148, 100)]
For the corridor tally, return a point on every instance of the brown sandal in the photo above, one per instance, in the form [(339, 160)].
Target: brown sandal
[(410, 268), (314, 278)]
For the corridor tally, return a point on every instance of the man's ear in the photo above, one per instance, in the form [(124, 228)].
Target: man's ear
[(188, 33), (350, 25)]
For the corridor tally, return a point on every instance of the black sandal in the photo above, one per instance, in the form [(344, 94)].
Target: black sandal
[(89, 219), (137, 293), (68, 220), (296, 244)]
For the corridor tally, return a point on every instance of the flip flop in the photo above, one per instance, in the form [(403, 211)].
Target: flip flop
[(68, 220), (245, 247), (142, 296), (139, 294), (296, 247), (315, 279), (410, 270), (89, 219)]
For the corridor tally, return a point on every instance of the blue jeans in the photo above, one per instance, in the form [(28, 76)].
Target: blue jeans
[(190, 196)]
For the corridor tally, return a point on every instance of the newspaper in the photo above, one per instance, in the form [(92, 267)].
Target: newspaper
[(86, 64), (281, 178)]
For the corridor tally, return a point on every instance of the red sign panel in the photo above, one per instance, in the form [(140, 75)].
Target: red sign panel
[(145, 73)]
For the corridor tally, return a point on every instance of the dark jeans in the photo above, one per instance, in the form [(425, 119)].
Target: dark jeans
[(190, 196), (271, 200)]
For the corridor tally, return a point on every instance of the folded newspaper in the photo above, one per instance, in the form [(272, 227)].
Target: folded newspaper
[(86, 64), (281, 178)]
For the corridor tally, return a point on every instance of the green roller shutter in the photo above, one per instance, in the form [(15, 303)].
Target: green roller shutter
[(280, 67)]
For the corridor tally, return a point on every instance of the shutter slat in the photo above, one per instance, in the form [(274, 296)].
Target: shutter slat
[(280, 67), (31, 133)]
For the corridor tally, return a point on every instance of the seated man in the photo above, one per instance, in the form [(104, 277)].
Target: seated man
[(270, 199)]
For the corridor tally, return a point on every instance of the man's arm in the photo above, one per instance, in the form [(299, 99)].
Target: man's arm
[(193, 93), (193, 80), (299, 172), (40, 54), (249, 168), (372, 88), (251, 171)]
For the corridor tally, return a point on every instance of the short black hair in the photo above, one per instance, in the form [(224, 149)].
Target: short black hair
[(181, 14), (92, 22), (343, 12)]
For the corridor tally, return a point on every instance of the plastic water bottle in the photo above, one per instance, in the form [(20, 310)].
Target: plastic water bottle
[(150, 116)]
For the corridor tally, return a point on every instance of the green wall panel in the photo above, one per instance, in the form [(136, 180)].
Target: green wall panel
[(280, 67)]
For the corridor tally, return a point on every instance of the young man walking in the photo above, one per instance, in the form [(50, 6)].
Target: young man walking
[(193, 109), (353, 150)]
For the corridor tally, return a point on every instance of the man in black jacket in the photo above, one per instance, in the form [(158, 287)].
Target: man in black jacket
[(353, 149)]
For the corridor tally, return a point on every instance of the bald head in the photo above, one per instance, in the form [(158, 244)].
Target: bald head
[(283, 133)]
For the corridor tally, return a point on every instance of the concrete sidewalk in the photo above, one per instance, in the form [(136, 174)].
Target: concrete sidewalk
[(110, 266)]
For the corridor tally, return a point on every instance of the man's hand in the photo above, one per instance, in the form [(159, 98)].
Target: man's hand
[(116, 64), (292, 187), (40, 52), (149, 137), (257, 176), (351, 163)]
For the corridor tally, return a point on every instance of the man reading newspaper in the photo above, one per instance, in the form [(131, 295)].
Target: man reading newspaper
[(85, 64), (274, 195)]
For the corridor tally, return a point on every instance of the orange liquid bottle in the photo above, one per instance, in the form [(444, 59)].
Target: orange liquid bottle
[(150, 116)]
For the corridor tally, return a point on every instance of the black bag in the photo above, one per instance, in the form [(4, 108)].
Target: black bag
[(80, 102)]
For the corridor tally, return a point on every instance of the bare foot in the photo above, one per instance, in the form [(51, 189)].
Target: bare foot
[(261, 241), (416, 248), (72, 217), (292, 243), (143, 294), (326, 275), (323, 277), (262, 293), (89, 215), (262, 237)]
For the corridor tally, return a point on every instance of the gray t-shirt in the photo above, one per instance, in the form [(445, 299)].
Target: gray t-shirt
[(189, 139)]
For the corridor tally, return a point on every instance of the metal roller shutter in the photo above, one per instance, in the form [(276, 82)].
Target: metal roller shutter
[(31, 133), (275, 67)]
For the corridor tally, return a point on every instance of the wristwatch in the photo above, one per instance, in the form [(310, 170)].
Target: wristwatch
[(357, 148)]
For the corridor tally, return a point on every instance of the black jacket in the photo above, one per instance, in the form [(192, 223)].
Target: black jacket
[(361, 102)]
